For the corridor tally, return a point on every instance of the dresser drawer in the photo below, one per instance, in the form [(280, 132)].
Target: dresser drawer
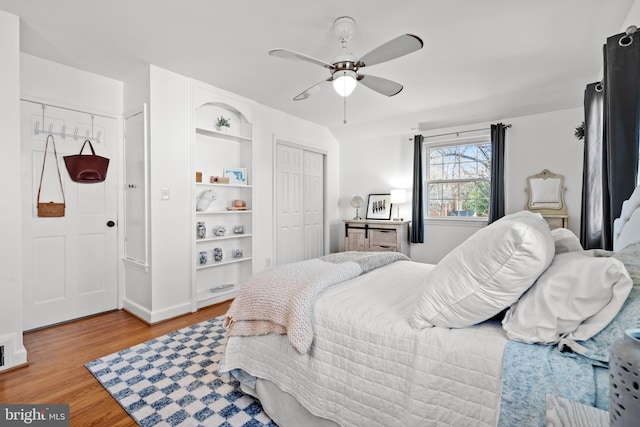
[(383, 237), (383, 248)]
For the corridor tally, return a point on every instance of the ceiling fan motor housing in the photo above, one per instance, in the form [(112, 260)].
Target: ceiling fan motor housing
[(344, 27)]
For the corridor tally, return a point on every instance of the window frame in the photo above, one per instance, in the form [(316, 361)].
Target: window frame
[(451, 142)]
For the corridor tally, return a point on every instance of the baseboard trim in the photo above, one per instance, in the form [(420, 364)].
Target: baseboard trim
[(152, 317), (13, 356)]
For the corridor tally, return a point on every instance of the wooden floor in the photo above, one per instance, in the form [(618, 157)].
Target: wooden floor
[(56, 356)]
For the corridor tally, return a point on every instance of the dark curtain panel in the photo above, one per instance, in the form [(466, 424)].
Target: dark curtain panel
[(592, 170), (417, 210), (496, 199), (622, 125)]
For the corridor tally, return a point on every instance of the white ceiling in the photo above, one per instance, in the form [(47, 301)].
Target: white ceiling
[(482, 60)]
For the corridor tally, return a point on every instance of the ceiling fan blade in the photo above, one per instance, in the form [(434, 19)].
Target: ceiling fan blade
[(307, 93), (291, 54), (380, 85), (392, 49)]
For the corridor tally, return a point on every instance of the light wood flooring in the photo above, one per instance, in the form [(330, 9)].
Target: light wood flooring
[(56, 357)]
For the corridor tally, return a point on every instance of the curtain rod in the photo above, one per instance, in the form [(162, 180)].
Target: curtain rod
[(457, 133)]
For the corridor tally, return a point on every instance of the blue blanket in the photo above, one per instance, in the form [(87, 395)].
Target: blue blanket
[(532, 371), (578, 373)]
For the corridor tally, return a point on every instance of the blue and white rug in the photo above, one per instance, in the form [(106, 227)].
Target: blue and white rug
[(172, 381)]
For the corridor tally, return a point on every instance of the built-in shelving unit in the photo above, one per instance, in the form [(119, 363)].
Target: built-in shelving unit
[(213, 151)]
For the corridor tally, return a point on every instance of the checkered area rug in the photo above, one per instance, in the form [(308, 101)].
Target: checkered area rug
[(172, 381)]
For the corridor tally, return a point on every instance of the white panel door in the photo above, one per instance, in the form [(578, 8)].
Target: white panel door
[(313, 204), (69, 263), (289, 204)]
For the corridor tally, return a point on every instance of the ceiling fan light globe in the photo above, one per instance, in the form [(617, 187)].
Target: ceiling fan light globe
[(344, 82)]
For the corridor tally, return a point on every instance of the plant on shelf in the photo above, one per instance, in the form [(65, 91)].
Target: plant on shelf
[(223, 124), (579, 132)]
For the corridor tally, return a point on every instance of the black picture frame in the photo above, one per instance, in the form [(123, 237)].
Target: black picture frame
[(379, 206)]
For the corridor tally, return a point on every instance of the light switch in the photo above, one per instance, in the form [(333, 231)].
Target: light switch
[(164, 193)]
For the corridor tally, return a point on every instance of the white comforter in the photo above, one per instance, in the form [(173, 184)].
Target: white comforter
[(367, 366)]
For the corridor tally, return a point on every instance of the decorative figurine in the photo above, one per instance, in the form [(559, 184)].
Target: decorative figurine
[(205, 199)]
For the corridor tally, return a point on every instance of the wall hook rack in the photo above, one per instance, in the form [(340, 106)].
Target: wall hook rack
[(63, 130)]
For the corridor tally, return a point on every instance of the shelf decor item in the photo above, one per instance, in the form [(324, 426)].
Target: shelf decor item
[(219, 179), (203, 257), (236, 176), (379, 206), (236, 253), (201, 230), (624, 380), (205, 199), (219, 230), (217, 254), (238, 229), (238, 205), (223, 124)]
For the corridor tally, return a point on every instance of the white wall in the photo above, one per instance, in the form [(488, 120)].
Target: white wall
[(534, 143), (170, 167), (10, 217)]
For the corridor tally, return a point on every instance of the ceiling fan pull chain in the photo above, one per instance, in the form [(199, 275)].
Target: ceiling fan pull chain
[(345, 111)]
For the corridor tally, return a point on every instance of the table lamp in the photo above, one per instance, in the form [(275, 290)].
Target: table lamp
[(398, 196)]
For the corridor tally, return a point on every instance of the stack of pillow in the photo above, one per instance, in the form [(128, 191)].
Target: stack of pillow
[(553, 291)]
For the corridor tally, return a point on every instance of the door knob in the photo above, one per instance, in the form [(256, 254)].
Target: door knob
[(110, 223)]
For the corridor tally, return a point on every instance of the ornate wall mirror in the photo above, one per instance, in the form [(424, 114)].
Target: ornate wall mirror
[(545, 193)]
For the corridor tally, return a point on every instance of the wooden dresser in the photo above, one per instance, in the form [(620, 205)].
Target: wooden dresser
[(376, 236)]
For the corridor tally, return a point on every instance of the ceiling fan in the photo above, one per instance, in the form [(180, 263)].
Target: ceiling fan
[(345, 68)]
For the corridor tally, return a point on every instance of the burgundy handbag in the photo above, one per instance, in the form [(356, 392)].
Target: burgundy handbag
[(87, 167)]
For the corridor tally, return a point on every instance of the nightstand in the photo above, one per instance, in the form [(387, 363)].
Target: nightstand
[(556, 221), (376, 236)]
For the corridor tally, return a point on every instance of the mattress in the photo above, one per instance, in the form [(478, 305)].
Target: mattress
[(367, 366)]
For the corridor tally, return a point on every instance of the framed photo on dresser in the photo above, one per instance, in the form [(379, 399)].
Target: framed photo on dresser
[(379, 206)]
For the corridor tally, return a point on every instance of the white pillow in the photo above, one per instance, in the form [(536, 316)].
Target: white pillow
[(576, 297), (485, 274), (565, 240)]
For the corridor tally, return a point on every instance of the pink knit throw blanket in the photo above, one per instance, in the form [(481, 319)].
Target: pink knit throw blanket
[(280, 300)]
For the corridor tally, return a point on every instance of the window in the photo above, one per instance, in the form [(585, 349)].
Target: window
[(458, 179)]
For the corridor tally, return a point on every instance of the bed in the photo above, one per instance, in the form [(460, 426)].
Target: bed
[(483, 338)]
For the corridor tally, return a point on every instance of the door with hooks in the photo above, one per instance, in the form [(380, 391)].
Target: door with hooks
[(70, 262)]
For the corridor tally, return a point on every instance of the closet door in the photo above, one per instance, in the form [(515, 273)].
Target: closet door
[(313, 204), (70, 262), (289, 204), (299, 204)]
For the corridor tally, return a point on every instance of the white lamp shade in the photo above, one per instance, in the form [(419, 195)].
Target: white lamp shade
[(344, 82), (399, 196)]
